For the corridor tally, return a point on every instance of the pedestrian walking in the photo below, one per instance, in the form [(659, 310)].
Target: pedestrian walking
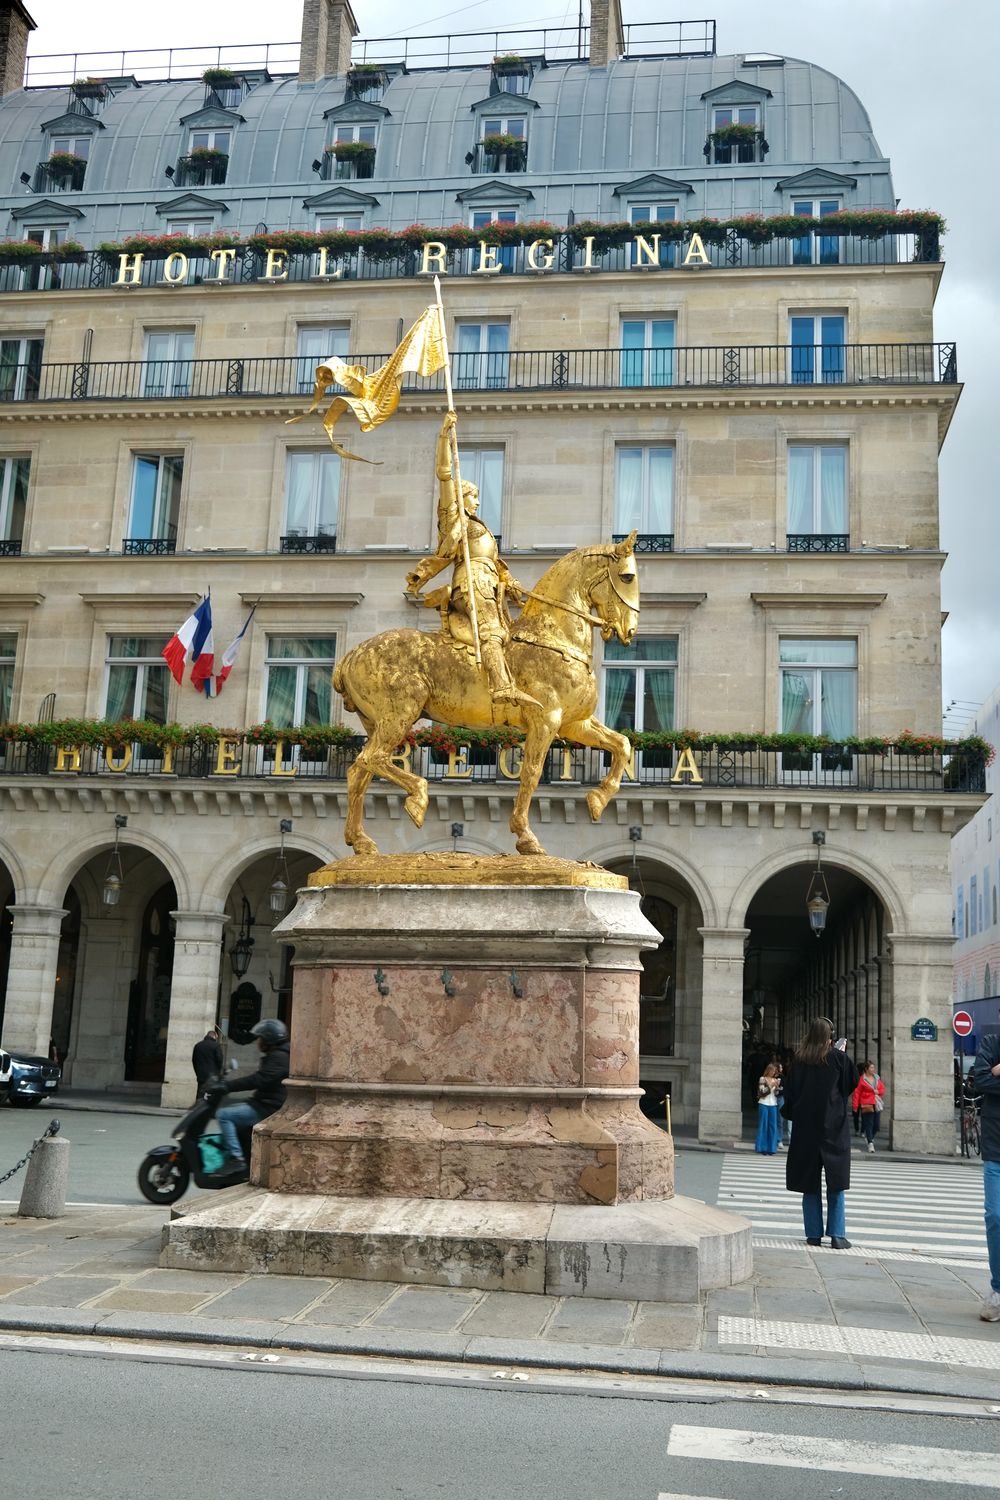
[(816, 1101), (206, 1059), (986, 1081), (768, 1121), (867, 1101)]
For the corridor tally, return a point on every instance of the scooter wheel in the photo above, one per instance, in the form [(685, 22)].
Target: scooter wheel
[(163, 1181)]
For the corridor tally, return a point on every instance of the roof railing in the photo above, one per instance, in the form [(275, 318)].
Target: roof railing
[(660, 39)]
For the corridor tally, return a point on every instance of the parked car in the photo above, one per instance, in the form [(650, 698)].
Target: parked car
[(5, 1069), (32, 1079)]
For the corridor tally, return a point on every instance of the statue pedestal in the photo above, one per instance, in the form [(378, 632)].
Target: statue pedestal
[(463, 1106)]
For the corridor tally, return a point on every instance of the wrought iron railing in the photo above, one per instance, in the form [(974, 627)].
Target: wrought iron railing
[(521, 370), (514, 160), (50, 179), (149, 546), (648, 541), (321, 542), (818, 541), (191, 171), (10, 547), (749, 769), (100, 269)]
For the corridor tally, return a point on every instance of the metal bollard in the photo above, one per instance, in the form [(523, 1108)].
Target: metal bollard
[(44, 1193)]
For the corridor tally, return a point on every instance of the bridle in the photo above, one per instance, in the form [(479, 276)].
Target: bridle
[(596, 620)]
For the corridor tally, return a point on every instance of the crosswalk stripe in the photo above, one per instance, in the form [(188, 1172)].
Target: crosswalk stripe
[(961, 1466), (892, 1209), (877, 1252), (868, 1343)]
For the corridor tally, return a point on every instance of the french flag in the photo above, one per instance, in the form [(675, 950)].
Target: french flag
[(231, 653), (194, 638)]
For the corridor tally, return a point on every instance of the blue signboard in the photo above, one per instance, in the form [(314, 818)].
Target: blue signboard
[(924, 1030)]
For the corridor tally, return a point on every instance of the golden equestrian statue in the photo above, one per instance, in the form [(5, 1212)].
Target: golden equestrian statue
[(481, 668)]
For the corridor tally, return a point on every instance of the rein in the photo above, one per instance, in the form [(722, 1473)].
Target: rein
[(570, 609)]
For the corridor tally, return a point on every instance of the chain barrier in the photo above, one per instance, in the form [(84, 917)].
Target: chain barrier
[(51, 1129)]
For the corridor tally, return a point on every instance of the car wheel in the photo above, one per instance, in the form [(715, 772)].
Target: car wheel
[(25, 1101), (162, 1180)]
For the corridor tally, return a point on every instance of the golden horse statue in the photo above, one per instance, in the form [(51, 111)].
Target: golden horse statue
[(400, 676)]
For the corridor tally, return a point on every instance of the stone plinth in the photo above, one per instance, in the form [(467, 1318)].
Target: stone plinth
[(465, 1042)]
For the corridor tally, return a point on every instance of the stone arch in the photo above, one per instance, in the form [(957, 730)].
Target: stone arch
[(227, 870), (650, 851), (70, 860), (876, 879), (16, 871)]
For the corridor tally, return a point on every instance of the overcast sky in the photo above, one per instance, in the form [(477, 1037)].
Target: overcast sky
[(924, 72)]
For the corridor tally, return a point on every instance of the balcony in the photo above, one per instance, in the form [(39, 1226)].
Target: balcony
[(298, 542), (648, 541), (62, 173), (743, 367), (891, 770), (818, 541), (201, 168), (149, 546), (490, 159), (100, 270)]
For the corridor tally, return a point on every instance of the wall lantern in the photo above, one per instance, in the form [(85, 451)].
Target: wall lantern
[(113, 878), (818, 895), (277, 896), (457, 832), (241, 952)]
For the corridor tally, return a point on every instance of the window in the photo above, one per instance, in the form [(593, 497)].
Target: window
[(639, 683), (20, 368), (819, 690), (155, 503), (190, 226), (313, 345), (503, 145), (352, 153), (168, 354), (48, 236), (207, 160), (973, 906), (481, 218), (210, 140), (816, 249), (298, 672), (483, 467), (818, 348), (817, 497), (340, 221), (740, 146), (647, 351), (8, 653), (312, 496), (14, 472), (137, 678), (482, 360), (652, 213), (644, 495)]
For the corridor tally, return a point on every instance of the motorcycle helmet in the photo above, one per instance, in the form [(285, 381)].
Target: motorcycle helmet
[(270, 1032)]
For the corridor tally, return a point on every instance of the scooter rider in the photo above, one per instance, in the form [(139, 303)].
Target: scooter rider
[(268, 1085)]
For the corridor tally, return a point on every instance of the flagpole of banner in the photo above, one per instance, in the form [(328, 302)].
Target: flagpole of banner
[(463, 520)]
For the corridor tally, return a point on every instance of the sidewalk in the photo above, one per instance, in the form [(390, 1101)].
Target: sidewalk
[(806, 1317)]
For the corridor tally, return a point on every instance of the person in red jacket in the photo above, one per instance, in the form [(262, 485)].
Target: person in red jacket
[(868, 1099)]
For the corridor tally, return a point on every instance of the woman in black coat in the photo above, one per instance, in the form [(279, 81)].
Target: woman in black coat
[(817, 1101)]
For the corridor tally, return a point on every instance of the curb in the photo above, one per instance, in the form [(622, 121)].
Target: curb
[(775, 1372)]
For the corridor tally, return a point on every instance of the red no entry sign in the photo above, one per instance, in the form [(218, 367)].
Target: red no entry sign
[(961, 1023)]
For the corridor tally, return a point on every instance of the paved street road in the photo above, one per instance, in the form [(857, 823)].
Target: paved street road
[(91, 1426), (105, 1152)]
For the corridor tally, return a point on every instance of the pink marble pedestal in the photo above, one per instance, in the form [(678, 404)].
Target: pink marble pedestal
[(463, 1107)]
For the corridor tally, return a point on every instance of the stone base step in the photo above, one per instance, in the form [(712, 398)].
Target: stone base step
[(668, 1251)]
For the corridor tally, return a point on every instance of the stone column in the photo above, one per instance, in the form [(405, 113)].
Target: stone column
[(31, 978), (194, 993), (720, 1113), (922, 1101)]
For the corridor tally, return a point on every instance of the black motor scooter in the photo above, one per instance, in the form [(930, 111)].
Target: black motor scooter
[(166, 1171)]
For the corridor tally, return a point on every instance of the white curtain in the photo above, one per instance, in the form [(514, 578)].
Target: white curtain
[(800, 491), (833, 490), (628, 491), (299, 493)]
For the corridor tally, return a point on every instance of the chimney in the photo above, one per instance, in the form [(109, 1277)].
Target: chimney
[(15, 23), (328, 29), (607, 34)]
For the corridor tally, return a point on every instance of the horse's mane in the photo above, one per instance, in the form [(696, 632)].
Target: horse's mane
[(568, 564)]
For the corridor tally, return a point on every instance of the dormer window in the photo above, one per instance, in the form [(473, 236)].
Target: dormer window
[(367, 82), (207, 159), (66, 165), (511, 74), (224, 89), (351, 153), (503, 145), (735, 137)]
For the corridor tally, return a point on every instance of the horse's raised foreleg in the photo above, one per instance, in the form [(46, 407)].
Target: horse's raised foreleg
[(538, 737), (593, 732), (376, 760)]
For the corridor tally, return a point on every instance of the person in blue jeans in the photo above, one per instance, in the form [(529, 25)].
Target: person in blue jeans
[(268, 1085), (986, 1082), (768, 1123), (817, 1101)]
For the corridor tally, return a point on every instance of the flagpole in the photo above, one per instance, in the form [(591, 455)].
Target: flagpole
[(463, 522)]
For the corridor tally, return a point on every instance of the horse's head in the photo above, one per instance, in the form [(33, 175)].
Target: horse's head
[(614, 592)]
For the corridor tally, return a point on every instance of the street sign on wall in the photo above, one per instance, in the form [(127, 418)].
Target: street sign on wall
[(961, 1023), (924, 1030)]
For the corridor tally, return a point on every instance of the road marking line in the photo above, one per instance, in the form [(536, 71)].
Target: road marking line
[(875, 1252), (835, 1455), (865, 1343)]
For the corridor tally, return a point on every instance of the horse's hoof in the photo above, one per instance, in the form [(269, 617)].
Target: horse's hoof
[(415, 807), (595, 806), (528, 844), (365, 845)]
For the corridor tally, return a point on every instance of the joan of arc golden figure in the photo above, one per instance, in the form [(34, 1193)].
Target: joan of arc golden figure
[(487, 576)]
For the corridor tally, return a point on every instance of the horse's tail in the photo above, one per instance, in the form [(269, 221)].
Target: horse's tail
[(339, 685)]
